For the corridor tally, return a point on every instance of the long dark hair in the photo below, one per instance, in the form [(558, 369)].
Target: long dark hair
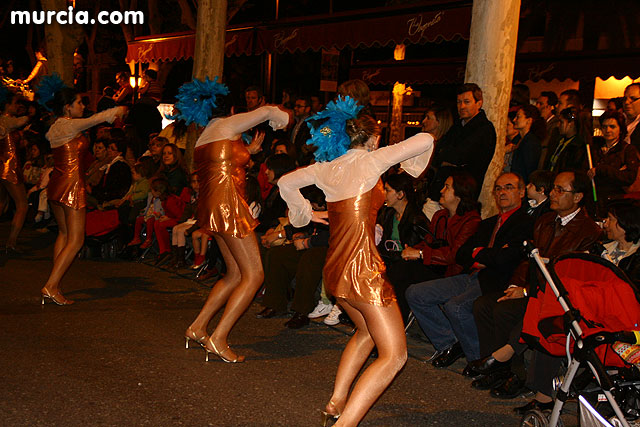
[(466, 188), (63, 97), (538, 125)]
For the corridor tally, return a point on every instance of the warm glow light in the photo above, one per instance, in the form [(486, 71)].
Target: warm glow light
[(132, 81), (611, 88), (399, 51)]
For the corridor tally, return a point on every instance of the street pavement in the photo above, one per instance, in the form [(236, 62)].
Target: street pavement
[(117, 357)]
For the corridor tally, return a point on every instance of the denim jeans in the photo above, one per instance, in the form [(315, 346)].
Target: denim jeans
[(454, 322)]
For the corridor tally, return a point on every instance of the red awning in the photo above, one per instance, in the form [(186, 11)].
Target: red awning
[(168, 47), (416, 28), (433, 72), (577, 66), (535, 67)]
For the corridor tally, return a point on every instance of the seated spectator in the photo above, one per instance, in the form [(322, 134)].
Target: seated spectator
[(33, 167), (622, 226), (95, 171), (489, 259), (571, 149), (435, 256), (532, 130), (116, 180), (617, 164), (37, 195), (173, 169), (538, 189), (200, 240), (499, 315), (302, 259), (162, 211), (154, 150), (437, 122), (186, 226), (274, 207), (136, 198)]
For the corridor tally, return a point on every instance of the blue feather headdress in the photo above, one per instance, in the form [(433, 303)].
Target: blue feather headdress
[(330, 136), (197, 99), (48, 87)]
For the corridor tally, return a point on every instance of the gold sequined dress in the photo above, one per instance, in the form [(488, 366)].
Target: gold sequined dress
[(354, 193), (67, 180), (222, 205), (10, 169)]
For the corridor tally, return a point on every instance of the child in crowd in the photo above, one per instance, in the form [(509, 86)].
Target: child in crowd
[(136, 197), (37, 195), (200, 239), (162, 208), (187, 225)]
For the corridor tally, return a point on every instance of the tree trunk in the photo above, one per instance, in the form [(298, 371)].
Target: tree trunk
[(210, 37), (62, 41), (490, 61)]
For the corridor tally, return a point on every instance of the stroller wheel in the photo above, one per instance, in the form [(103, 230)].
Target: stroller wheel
[(536, 418)]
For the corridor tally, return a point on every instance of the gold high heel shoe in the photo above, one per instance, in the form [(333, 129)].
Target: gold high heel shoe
[(329, 419), (191, 336), (238, 359), (58, 298)]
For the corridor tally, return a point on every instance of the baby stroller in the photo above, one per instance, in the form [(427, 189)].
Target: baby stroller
[(587, 305)]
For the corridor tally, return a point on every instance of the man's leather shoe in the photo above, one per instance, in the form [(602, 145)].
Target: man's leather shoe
[(489, 381), (489, 365), (297, 321), (470, 371), (449, 356), (510, 389), (267, 313), (534, 404)]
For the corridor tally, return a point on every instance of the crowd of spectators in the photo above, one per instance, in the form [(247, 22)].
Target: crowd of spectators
[(464, 279)]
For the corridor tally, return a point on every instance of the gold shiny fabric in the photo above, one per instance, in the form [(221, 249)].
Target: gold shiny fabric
[(10, 169), (222, 205), (67, 180), (353, 269)]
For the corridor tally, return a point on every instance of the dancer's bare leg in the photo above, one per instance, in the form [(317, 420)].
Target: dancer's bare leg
[(247, 255), (384, 326), (74, 220), (19, 196), (61, 239), (220, 292)]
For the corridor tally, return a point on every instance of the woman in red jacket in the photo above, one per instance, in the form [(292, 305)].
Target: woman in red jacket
[(450, 228)]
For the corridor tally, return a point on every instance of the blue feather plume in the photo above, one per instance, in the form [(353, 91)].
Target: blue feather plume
[(48, 87), (197, 99), (330, 137)]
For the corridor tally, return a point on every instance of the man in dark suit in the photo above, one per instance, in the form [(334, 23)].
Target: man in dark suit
[(489, 258), (631, 108), (499, 315), (469, 144)]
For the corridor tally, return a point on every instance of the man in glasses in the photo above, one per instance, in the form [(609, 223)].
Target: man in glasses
[(300, 131), (489, 258), (567, 228), (631, 107)]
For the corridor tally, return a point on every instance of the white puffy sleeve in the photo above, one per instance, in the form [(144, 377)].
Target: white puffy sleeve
[(230, 127), (413, 154), (290, 184), (64, 130)]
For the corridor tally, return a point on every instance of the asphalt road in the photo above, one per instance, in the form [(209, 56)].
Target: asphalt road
[(117, 357)]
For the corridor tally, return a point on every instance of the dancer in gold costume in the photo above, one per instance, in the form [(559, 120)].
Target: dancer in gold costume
[(66, 190), (354, 272), (11, 179), (220, 158)]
